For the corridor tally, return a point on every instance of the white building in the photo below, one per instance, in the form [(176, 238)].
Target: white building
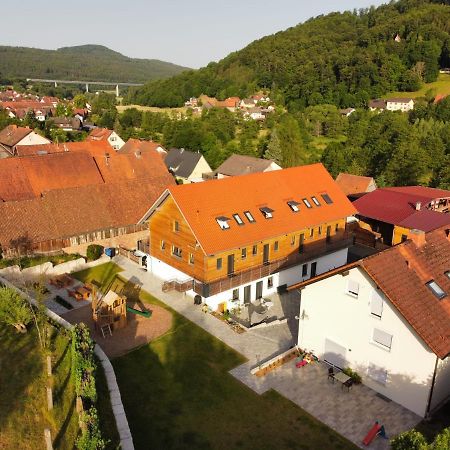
[(399, 104), (12, 136), (388, 318), (188, 167), (103, 134)]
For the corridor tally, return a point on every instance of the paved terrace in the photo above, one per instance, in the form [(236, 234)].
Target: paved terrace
[(351, 413)]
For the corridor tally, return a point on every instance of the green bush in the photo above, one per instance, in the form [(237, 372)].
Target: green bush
[(94, 252), (91, 437), (409, 440), (353, 375)]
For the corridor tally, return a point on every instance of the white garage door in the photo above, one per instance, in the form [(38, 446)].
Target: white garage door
[(334, 354)]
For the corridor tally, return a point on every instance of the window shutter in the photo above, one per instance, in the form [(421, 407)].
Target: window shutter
[(353, 287), (376, 304), (382, 337)]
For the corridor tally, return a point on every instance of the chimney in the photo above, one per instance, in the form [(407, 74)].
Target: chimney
[(137, 153), (418, 206), (418, 237)]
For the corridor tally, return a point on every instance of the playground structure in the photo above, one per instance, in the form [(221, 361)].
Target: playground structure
[(376, 430), (109, 311)]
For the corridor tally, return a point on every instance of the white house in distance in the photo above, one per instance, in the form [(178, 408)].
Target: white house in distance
[(242, 165), (399, 104), (189, 167), (12, 136), (103, 134), (387, 317)]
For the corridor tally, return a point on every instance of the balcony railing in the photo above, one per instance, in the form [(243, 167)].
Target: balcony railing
[(309, 252)]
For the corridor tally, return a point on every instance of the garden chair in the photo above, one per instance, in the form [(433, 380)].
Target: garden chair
[(348, 384), (331, 374)]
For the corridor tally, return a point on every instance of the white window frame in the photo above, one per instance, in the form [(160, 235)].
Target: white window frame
[(353, 291), (376, 305), (306, 202), (249, 216), (379, 340)]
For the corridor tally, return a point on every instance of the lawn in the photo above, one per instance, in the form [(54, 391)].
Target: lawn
[(178, 394), (122, 108), (441, 86)]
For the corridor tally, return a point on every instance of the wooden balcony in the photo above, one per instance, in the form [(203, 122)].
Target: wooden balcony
[(310, 251)]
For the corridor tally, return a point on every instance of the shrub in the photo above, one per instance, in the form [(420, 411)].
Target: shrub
[(353, 375), (409, 440), (94, 252)]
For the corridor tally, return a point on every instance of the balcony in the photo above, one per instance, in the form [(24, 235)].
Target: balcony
[(309, 252)]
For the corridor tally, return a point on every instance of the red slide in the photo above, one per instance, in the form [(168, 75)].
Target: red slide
[(372, 433)]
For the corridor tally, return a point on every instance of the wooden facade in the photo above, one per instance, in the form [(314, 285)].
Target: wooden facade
[(173, 242)]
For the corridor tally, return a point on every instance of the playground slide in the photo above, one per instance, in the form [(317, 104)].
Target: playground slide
[(140, 313), (372, 433)]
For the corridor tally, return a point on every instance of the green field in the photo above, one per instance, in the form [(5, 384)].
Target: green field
[(178, 394), (441, 86)]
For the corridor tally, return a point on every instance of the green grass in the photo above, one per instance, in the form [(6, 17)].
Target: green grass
[(441, 86), (104, 274), (178, 394)]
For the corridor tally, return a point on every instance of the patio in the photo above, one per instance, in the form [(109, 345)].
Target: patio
[(351, 413)]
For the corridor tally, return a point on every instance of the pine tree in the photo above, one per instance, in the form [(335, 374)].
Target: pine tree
[(274, 151)]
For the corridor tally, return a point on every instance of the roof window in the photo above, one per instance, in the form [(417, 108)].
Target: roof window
[(294, 205), (436, 289), (315, 201), (249, 216), (447, 273), (267, 212), (238, 219), (306, 202), (327, 199), (223, 222)]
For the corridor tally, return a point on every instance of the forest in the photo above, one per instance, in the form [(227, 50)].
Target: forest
[(84, 62), (343, 59)]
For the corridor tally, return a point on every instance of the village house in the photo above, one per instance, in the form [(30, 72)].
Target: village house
[(355, 186), (12, 136), (230, 103), (186, 166), (235, 240), (66, 200), (392, 213), (237, 165), (347, 111), (392, 104), (110, 136), (135, 145), (387, 317), (67, 123)]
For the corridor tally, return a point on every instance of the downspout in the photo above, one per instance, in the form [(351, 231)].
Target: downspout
[(427, 412)]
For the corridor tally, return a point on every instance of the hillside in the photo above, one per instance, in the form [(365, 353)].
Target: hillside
[(84, 62), (341, 58)]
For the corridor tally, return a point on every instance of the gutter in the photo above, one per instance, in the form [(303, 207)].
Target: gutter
[(433, 381)]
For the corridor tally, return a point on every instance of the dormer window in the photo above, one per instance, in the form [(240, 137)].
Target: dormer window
[(306, 202), (315, 201), (294, 205), (327, 199), (238, 219), (223, 222), (436, 289), (249, 216), (266, 212)]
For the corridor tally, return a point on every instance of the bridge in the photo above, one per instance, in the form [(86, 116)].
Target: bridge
[(87, 83)]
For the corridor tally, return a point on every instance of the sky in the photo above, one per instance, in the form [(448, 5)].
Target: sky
[(186, 32)]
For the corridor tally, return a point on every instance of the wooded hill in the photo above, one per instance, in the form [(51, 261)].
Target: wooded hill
[(341, 58), (84, 62)]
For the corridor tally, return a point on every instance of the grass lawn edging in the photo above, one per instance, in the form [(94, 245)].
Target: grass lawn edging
[(126, 440)]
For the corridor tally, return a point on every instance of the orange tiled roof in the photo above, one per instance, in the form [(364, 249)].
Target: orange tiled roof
[(353, 184), (73, 211), (92, 147), (99, 134), (202, 203), (132, 145), (13, 134), (402, 273)]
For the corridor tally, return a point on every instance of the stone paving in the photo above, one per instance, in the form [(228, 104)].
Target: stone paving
[(351, 413)]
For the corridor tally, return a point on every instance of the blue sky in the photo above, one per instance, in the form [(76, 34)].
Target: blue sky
[(186, 32)]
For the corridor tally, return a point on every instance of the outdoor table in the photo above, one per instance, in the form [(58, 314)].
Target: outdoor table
[(341, 377)]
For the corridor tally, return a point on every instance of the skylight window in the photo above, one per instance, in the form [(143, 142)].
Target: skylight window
[(327, 199), (436, 289), (267, 212), (238, 219), (223, 222), (294, 205), (249, 216), (306, 202), (447, 273), (316, 202)]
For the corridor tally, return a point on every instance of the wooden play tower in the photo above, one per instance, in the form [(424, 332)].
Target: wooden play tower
[(109, 311)]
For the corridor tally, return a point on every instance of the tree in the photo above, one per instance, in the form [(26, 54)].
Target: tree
[(14, 309), (274, 151), (409, 440), (80, 101), (293, 151)]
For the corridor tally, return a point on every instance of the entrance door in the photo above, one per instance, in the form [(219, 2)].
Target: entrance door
[(335, 354), (230, 265), (247, 294), (266, 254), (313, 269), (259, 289)]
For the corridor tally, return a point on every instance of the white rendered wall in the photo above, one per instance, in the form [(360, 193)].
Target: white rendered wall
[(33, 139), (162, 270), (201, 168), (117, 142), (441, 389), (328, 311)]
